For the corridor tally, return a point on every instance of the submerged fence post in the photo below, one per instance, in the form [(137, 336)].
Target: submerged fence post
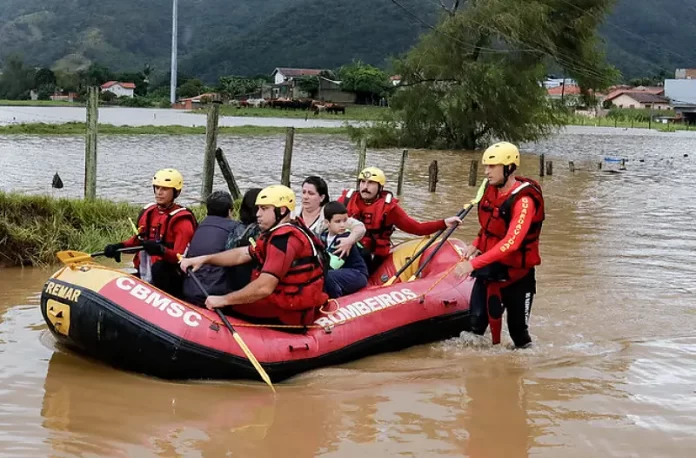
[(432, 176), (541, 165), (549, 168), (211, 131), (91, 144), (473, 172), (571, 166), (227, 174), (362, 154), (287, 156), (402, 167)]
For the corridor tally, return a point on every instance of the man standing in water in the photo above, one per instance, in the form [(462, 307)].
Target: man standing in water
[(503, 256)]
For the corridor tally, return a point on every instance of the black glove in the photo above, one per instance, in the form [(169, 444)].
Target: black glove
[(153, 248), (111, 251)]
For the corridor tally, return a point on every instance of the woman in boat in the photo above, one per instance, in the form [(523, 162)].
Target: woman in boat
[(315, 195)]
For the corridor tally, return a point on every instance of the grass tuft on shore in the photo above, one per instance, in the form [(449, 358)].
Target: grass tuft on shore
[(34, 228), (79, 128)]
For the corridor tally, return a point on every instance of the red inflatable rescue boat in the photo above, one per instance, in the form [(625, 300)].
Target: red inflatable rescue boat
[(127, 323)]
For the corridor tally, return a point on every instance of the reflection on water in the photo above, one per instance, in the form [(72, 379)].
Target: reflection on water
[(612, 372)]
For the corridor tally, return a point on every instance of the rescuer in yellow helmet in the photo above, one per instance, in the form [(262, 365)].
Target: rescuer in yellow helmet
[(504, 255), (165, 230), (287, 281), (381, 214)]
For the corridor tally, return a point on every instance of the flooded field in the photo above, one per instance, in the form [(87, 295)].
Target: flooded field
[(120, 116), (612, 373)]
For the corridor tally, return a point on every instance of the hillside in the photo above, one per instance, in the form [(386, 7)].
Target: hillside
[(219, 37)]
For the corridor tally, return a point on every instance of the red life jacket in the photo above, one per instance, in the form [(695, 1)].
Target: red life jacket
[(153, 225), (373, 215), (495, 213), (301, 291)]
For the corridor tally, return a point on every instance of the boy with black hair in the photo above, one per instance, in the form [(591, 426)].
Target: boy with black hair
[(349, 274)]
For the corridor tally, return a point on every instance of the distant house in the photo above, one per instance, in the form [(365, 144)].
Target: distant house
[(685, 74), (282, 74), (69, 97), (119, 88), (640, 99), (192, 103), (682, 95), (395, 80), (285, 86)]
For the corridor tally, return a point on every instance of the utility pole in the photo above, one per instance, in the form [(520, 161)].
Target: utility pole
[(175, 14)]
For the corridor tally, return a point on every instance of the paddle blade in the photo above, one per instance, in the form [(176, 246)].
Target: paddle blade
[(72, 257), (390, 281), (254, 361), (479, 194)]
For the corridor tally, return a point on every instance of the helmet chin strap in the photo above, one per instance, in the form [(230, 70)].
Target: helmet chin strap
[(507, 171), (278, 216)]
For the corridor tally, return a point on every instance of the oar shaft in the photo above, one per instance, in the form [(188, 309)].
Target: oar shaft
[(133, 249), (205, 293), (413, 258), (238, 338), (442, 242)]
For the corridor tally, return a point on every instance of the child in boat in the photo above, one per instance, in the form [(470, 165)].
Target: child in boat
[(348, 274)]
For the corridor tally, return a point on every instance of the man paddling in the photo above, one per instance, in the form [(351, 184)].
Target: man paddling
[(379, 210), (503, 256), (165, 230), (288, 278)]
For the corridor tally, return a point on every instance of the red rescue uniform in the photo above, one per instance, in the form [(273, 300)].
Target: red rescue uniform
[(509, 241), (381, 217), (291, 253), (174, 227)]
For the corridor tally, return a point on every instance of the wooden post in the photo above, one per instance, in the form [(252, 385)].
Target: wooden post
[(541, 165), (227, 174), (362, 154), (599, 166), (287, 156), (473, 172), (549, 168), (91, 143), (432, 176), (402, 167), (571, 166), (211, 131)]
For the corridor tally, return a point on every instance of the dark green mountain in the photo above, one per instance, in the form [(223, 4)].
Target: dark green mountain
[(219, 37)]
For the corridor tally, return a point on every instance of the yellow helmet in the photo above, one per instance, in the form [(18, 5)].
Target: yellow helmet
[(168, 178), (373, 174), (502, 153), (278, 196)]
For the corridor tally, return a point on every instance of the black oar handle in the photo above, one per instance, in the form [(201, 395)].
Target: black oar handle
[(462, 213), (442, 242), (133, 249), (205, 293)]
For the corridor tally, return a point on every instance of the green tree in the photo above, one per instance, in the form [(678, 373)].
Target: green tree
[(191, 88), (308, 84), (477, 75), (236, 86), (17, 79), (45, 77), (367, 82)]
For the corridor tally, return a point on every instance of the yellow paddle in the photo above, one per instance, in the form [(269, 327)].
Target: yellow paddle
[(237, 337), (462, 213)]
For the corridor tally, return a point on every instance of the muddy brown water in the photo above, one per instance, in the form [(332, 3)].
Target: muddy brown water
[(612, 373)]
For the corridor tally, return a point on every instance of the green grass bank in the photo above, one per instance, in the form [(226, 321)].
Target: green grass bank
[(33, 228), (353, 113), (78, 128)]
